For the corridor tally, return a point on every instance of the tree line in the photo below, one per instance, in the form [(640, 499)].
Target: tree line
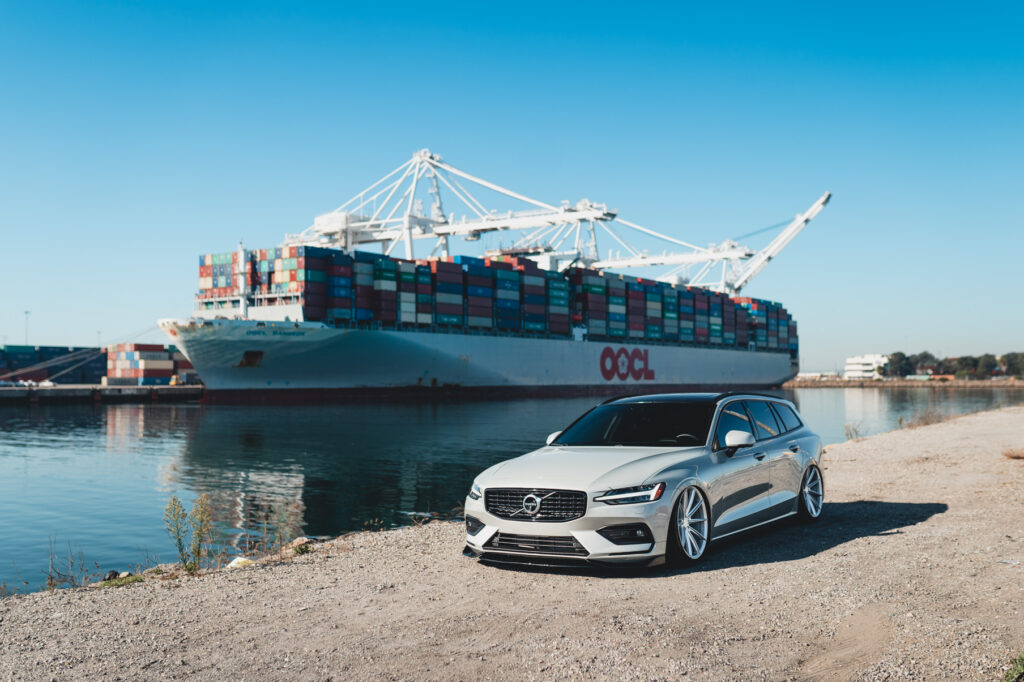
[(964, 367)]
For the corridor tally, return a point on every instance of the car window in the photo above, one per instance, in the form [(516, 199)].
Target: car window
[(732, 418), (764, 421), (641, 424), (788, 416)]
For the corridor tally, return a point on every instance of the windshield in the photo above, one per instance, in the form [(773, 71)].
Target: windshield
[(641, 424)]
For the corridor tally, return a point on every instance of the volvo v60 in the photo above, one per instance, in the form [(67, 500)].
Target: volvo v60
[(648, 478)]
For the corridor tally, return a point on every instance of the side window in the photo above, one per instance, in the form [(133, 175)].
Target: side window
[(788, 416), (765, 425), (732, 418)]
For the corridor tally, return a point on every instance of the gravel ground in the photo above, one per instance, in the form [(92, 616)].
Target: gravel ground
[(915, 571)]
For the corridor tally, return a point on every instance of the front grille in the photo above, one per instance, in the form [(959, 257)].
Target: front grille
[(555, 505), (536, 544)]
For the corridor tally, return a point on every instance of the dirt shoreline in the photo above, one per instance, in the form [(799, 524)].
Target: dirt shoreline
[(915, 571)]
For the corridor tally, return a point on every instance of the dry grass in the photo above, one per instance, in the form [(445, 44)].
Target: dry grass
[(926, 418), (1014, 453)]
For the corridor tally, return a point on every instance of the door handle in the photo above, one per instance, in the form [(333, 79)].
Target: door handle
[(793, 447), (759, 456)]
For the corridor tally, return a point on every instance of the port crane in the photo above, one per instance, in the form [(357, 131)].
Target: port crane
[(390, 213)]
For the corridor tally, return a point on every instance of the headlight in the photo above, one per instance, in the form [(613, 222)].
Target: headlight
[(634, 495), (474, 492)]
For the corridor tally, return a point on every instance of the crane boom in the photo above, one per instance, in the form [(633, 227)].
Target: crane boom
[(765, 255)]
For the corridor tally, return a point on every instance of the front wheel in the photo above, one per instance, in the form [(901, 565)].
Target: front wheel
[(689, 528), (812, 494)]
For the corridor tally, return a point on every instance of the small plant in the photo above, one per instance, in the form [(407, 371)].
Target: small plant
[(190, 531), (303, 549), (926, 418), (1014, 453), (69, 571), (374, 525), (1016, 671), (853, 431), (121, 582)]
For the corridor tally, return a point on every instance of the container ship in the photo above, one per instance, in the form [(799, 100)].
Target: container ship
[(322, 317)]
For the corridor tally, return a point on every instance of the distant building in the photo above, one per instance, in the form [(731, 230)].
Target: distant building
[(864, 366)]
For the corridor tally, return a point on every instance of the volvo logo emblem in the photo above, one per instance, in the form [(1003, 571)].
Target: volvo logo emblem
[(531, 504)]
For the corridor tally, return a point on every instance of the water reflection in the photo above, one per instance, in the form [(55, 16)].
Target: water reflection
[(100, 476)]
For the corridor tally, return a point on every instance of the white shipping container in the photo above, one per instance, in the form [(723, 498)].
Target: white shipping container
[(616, 308), (533, 281), (506, 294), (156, 364), (385, 285), (450, 299), (407, 296), (424, 318)]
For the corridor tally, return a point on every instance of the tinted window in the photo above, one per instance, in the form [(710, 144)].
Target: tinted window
[(764, 421), (732, 418), (641, 424), (788, 416)]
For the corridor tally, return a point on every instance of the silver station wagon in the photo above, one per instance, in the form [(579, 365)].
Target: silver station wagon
[(648, 478)]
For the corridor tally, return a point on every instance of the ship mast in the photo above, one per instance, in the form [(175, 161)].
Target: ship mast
[(388, 213)]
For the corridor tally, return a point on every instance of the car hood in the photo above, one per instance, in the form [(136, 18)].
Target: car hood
[(583, 468)]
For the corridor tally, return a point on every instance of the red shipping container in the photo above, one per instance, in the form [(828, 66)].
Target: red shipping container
[(497, 264), (595, 300), (387, 315), (206, 271), (479, 301), (424, 289), (479, 311), (533, 290), (639, 326), (385, 304), (334, 302), (534, 309), (339, 271), (438, 267), (449, 277), (448, 308), (424, 308), (479, 281), (152, 372)]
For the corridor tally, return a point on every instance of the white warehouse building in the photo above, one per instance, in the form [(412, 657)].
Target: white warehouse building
[(864, 366)]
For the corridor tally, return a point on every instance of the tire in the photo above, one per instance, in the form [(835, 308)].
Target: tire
[(812, 495), (689, 528)]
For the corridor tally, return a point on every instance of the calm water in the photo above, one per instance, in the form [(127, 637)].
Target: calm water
[(100, 476)]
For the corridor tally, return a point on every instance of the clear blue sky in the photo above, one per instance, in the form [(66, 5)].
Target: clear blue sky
[(135, 136)]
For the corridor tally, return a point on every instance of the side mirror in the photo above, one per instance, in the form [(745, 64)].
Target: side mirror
[(734, 440), (553, 437)]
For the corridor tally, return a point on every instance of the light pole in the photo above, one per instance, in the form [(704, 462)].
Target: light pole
[(27, 313)]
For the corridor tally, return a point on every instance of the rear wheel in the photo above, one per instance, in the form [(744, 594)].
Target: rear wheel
[(812, 494), (689, 529)]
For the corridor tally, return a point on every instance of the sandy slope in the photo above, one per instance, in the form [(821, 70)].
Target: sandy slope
[(904, 576)]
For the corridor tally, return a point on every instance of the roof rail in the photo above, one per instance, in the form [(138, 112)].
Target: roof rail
[(730, 394)]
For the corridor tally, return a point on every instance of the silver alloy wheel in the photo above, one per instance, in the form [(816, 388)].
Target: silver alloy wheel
[(692, 523), (813, 492)]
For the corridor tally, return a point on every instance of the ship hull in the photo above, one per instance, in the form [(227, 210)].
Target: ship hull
[(251, 361)]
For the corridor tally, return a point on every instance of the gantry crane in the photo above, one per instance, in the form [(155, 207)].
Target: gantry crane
[(390, 212)]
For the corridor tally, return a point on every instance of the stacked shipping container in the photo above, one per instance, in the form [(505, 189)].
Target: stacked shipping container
[(61, 364), (145, 364), (504, 294)]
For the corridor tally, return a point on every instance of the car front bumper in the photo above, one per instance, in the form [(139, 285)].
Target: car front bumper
[(567, 543)]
